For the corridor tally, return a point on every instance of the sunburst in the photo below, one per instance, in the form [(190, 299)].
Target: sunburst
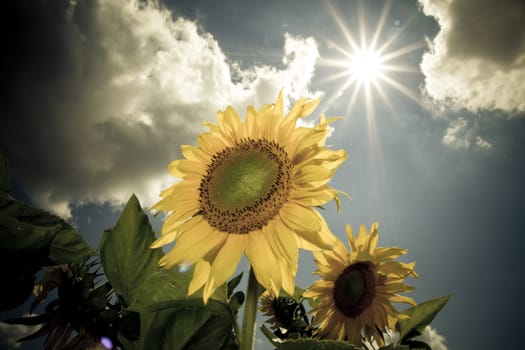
[(370, 68), (368, 62)]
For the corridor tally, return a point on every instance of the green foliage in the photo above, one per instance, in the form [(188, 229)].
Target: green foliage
[(153, 309), (233, 283), (291, 320), (420, 316), (189, 324), (417, 345), (169, 318), (235, 299), (81, 314), (125, 251), (395, 347), (315, 344), (29, 240)]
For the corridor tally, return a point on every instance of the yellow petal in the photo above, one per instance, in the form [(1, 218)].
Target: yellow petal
[(325, 157), (320, 287), (299, 219), (193, 245), (288, 276), (313, 198), (200, 276), (312, 176), (194, 154), (210, 143), (308, 223), (278, 107), (306, 245), (373, 238), (229, 122), (383, 254), (402, 299), (262, 259), (361, 240), (284, 242), (251, 126), (182, 167), (208, 289), (310, 139), (302, 108), (227, 258)]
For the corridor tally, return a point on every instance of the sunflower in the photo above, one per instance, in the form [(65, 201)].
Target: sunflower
[(267, 306), (357, 289), (287, 315), (250, 186)]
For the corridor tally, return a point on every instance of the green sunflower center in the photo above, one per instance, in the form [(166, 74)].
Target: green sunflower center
[(354, 289), (244, 179), (245, 186)]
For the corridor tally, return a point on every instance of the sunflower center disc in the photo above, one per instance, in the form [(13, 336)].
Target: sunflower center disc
[(245, 186), (354, 289), (242, 180)]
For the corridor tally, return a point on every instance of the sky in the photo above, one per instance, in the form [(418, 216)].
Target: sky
[(97, 97)]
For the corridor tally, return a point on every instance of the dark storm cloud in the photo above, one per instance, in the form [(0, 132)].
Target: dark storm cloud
[(97, 96), (487, 29), (477, 60)]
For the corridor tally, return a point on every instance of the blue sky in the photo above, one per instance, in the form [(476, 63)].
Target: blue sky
[(98, 96)]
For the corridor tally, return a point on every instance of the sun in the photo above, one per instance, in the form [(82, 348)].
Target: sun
[(365, 65), (365, 71), (368, 61)]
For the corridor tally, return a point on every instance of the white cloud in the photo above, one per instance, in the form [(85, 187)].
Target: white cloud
[(435, 340), (10, 333), (461, 135), (102, 95), (477, 60), (429, 336)]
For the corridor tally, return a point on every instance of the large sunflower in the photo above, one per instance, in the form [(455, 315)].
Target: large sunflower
[(357, 288), (250, 187)]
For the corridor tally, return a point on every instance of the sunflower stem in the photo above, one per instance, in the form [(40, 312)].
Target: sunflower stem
[(250, 310)]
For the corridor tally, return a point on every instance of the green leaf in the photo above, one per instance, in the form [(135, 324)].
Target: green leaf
[(130, 325), (169, 284), (417, 345), (162, 285), (395, 347), (189, 324), (315, 344), (233, 283), (125, 252), (28, 228), (269, 335), (298, 293), (421, 315), (4, 179), (236, 301), (29, 240)]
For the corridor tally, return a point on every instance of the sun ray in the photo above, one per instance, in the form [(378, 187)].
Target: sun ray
[(403, 89), (380, 25), (367, 63), (349, 39)]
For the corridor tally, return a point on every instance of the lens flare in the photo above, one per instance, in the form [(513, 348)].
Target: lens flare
[(106, 343)]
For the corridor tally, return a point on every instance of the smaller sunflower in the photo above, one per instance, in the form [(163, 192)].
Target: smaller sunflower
[(357, 289), (287, 315), (267, 307)]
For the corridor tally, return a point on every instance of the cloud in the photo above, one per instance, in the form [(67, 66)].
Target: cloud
[(460, 135), (429, 336), (477, 60), (100, 95), (435, 340), (10, 333)]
